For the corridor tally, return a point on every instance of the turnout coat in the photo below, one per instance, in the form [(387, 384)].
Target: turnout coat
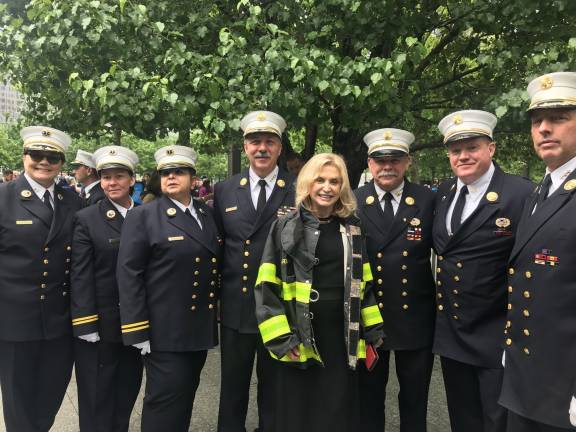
[(284, 290), (471, 271), (244, 234), (168, 277), (540, 372), (94, 294), (35, 255), (400, 262)]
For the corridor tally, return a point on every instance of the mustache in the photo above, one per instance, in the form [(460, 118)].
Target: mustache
[(262, 155), (387, 174)]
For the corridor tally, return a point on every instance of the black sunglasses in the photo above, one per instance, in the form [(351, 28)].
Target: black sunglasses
[(39, 156), (176, 171)]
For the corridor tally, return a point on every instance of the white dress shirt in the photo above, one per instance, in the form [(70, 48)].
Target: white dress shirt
[(123, 210), (39, 190), (255, 187), (396, 196), (91, 186), (559, 174), (476, 190), (190, 207)]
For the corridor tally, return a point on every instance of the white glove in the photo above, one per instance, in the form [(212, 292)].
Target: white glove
[(572, 411), (144, 347), (503, 358), (90, 337)]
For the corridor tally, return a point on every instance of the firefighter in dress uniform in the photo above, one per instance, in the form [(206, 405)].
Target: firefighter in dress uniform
[(475, 224), (245, 206), (86, 175), (168, 279), (397, 217), (36, 352), (108, 374), (540, 343)]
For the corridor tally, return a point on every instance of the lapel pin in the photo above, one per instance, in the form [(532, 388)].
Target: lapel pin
[(171, 212), (492, 196), (243, 181), (569, 185), (409, 200), (369, 199), (415, 222), (26, 193), (281, 183), (110, 214), (201, 210), (60, 197)]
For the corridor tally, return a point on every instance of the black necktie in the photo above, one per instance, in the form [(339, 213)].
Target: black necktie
[(83, 192), (456, 220), (187, 212), (388, 211), (261, 196), (543, 192), (46, 200)]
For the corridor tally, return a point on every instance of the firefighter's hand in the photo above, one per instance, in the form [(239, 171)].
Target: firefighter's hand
[(294, 353)]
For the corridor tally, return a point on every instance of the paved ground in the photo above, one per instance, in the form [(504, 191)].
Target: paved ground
[(206, 406)]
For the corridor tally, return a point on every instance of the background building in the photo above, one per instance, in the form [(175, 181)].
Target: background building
[(11, 104)]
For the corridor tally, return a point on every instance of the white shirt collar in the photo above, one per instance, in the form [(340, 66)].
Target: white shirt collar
[(480, 185), (396, 193), (88, 188), (559, 174), (123, 210), (38, 189), (270, 178)]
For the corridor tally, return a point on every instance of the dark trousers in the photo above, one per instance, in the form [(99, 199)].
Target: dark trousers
[(108, 376), (413, 369), (472, 394), (172, 379), (237, 356), (34, 377), (518, 423)]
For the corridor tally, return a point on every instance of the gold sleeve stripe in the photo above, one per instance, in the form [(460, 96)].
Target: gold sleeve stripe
[(89, 317), (86, 321), (127, 326), (144, 327)]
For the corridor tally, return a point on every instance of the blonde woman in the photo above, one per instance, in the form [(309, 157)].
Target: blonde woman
[(314, 304)]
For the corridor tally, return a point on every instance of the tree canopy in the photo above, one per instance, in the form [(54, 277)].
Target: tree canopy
[(335, 69)]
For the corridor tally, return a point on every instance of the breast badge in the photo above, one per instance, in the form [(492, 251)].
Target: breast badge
[(545, 257), (503, 227), (409, 200), (25, 193), (243, 181), (110, 214), (569, 185), (492, 196), (369, 200), (171, 212)]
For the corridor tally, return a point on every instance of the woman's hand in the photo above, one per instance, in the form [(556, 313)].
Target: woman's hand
[(294, 353)]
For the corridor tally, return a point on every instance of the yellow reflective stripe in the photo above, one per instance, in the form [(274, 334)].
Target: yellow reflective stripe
[(86, 318), (274, 327), (127, 326), (305, 355), (361, 351), (267, 273), (371, 315), (135, 329), (366, 272), (299, 291)]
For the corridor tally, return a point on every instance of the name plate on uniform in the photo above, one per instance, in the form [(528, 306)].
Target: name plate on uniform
[(231, 209), (24, 222), (177, 238), (114, 241)]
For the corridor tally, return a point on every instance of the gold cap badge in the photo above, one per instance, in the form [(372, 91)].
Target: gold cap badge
[(26, 193), (170, 152), (409, 201), (110, 214), (415, 222), (46, 133), (112, 152), (457, 120), (261, 116), (387, 135), (369, 199), (502, 222), (281, 183), (243, 181), (546, 82), (492, 196), (171, 211), (570, 184)]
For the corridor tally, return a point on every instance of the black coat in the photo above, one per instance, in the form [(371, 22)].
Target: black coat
[(244, 237), (471, 271), (540, 372), (400, 262), (168, 277), (96, 195), (34, 262), (94, 293)]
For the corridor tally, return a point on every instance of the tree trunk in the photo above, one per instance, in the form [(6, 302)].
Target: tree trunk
[(117, 136), (184, 137), (310, 141), (348, 143)]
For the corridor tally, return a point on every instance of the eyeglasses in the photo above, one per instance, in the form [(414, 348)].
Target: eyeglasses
[(176, 171), (39, 156)]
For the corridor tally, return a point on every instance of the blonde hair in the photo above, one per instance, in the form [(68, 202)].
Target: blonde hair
[(346, 204)]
